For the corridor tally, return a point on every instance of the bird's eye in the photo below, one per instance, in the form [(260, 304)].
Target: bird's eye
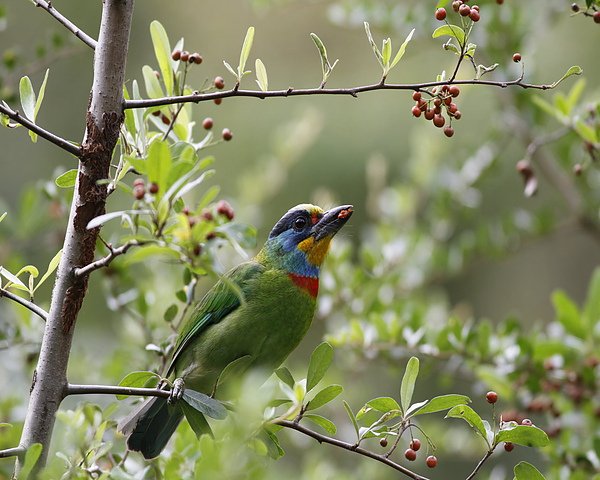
[(300, 223)]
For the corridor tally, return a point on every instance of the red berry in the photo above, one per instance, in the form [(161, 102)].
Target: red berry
[(415, 444), (577, 169), (153, 189), (207, 123), (464, 10), (416, 111), (454, 91), (156, 113), (437, 110), (448, 131), (474, 15), (429, 114), (517, 57), (475, 7), (457, 115), (439, 121), (219, 83), (416, 96), (185, 56), (217, 101), (422, 105), (575, 7), (431, 461), (139, 191), (197, 58), (138, 181), (166, 120), (437, 101), (225, 209), (597, 17), (410, 455), (491, 397), (185, 211), (448, 100), (440, 14), (197, 249), (456, 5), (527, 422), (207, 215), (226, 134), (499, 2), (453, 108), (211, 235), (383, 442), (176, 54), (509, 447)]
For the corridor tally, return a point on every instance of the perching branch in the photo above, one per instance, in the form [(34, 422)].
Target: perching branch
[(73, 389), (28, 124), (12, 452), (105, 261), (352, 91), (40, 312), (350, 447), (74, 29)]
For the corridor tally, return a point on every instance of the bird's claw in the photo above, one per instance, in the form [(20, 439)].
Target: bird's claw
[(176, 391)]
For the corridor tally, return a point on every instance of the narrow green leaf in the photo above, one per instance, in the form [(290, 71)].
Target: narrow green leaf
[(386, 53), (320, 360), (324, 396), (159, 164), (50, 270), (203, 403), (170, 313), (586, 131), (352, 418), (27, 97), (471, 417), (574, 70), (188, 187), (40, 95), (273, 445), (67, 179), (234, 369), (322, 54), (230, 68), (376, 51), (591, 310), (3, 216), (575, 93), (197, 421), (261, 75), (453, 31), (408, 382), (442, 402), (322, 422), (246, 47), (139, 379), (143, 253), (162, 50), (530, 436), (285, 376), (383, 404), (526, 471), (101, 219), (152, 84), (31, 457), (402, 49), (16, 283), (568, 314)]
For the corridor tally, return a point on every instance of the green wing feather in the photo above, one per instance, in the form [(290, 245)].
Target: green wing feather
[(223, 298)]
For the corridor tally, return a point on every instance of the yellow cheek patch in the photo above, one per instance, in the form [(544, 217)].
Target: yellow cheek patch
[(315, 251)]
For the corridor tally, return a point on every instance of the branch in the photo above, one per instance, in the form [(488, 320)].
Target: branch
[(12, 452), (40, 312), (28, 124), (487, 455), (350, 447), (291, 92), (74, 29), (73, 389), (105, 261)]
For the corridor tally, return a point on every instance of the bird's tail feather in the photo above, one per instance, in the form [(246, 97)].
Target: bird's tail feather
[(150, 426)]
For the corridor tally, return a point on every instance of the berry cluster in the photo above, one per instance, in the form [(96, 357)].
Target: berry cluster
[(186, 56), (213, 216), (462, 8), (595, 14), (432, 109), (139, 189)]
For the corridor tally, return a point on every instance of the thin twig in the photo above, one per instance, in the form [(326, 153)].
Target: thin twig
[(291, 92), (487, 455), (74, 389), (105, 261), (40, 312), (51, 137), (74, 29), (350, 447), (12, 452)]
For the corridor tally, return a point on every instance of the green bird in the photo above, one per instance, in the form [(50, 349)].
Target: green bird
[(261, 308)]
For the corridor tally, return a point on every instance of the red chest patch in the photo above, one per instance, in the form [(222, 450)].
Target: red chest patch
[(310, 284)]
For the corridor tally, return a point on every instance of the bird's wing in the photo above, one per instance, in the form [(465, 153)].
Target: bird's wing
[(223, 298)]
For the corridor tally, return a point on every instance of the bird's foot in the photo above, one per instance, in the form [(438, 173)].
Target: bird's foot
[(176, 391)]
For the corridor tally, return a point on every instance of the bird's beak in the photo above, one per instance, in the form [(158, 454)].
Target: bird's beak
[(332, 221)]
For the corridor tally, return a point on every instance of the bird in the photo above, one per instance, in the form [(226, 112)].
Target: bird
[(260, 309)]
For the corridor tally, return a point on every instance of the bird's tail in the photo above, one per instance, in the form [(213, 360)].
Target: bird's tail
[(150, 426)]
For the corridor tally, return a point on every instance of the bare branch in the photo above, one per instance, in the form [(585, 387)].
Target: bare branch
[(105, 261), (73, 389), (74, 29), (291, 92), (12, 452), (28, 124), (487, 455), (350, 447), (40, 312)]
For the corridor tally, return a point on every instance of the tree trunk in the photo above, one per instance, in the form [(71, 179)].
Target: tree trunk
[(103, 121)]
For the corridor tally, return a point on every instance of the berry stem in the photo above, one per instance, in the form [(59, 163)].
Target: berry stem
[(487, 455)]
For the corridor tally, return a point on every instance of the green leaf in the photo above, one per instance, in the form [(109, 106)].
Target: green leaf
[(162, 50), (442, 402), (40, 95), (272, 443), (196, 420), (205, 404), (408, 382), (101, 219), (67, 179), (324, 396), (143, 253), (320, 360), (31, 457), (152, 84), (530, 436), (50, 270), (574, 70), (14, 281), (526, 471), (234, 369), (170, 313), (402, 49), (568, 314), (382, 404), (285, 376), (322, 422), (376, 51), (139, 379), (585, 131), (352, 417), (386, 52), (453, 31), (591, 310), (159, 164), (3, 216), (27, 97), (471, 417), (246, 47), (261, 75), (230, 68), (575, 93), (322, 54)]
